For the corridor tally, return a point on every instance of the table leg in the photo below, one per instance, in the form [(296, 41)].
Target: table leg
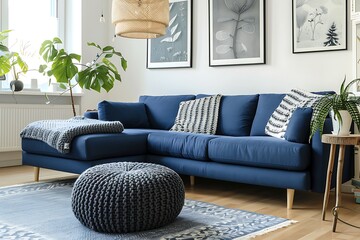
[(36, 174), (338, 184), (328, 179)]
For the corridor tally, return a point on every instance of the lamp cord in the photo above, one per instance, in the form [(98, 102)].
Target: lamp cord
[(335, 214)]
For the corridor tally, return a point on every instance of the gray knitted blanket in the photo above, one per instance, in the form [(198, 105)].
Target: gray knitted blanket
[(59, 133)]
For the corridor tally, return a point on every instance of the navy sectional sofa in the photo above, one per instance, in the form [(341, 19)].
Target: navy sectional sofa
[(239, 152)]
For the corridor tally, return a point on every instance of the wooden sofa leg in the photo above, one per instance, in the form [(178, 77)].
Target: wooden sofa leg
[(192, 181), (36, 174), (290, 198)]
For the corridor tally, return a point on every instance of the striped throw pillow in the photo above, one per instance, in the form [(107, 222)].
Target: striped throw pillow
[(198, 116), (279, 120)]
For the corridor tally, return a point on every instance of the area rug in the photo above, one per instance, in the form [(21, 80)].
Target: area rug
[(42, 211)]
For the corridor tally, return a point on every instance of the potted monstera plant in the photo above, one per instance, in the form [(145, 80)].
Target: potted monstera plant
[(68, 70), (343, 109), (11, 61)]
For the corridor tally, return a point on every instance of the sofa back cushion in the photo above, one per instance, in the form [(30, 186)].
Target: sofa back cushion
[(162, 110), (236, 114), (266, 106), (298, 129), (131, 115)]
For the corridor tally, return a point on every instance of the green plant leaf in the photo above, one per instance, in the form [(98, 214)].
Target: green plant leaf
[(108, 48), (117, 53), (347, 88), (352, 108), (94, 45), (48, 50), (342, 87), (123, 64), (109, 64), (5, 66), (3, 35), (23, 66), (42, 68), (101, 76), (63, 68), (75, 56), (3, 48), (62, 86), (56, 40), (320, 112)]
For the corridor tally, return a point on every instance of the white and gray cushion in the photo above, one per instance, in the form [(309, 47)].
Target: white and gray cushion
[(279, 120), (198, 116)]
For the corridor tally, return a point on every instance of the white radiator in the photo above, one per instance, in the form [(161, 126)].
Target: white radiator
[(14, 117)]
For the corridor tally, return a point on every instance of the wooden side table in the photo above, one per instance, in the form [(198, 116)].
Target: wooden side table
[(342, 141)]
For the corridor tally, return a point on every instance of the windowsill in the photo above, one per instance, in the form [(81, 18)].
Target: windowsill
[(39, 93)]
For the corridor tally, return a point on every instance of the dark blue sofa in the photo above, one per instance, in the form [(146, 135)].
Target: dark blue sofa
[(239, 152)]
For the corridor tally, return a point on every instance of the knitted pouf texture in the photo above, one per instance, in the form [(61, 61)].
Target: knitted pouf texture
[(127, 197)]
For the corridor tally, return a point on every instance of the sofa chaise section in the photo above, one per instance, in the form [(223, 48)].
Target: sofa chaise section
[(88, 150)]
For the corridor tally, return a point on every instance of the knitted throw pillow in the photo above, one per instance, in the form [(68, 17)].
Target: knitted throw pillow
[(198, 116), (279, 120)]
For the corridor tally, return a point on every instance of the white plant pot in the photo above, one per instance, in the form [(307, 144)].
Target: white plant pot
[(344, 128)]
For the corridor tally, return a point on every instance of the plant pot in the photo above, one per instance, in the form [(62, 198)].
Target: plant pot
[(342, 129), (16, 85)]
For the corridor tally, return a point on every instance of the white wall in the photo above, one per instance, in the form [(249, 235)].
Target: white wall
[(94, 31), (282, 72)]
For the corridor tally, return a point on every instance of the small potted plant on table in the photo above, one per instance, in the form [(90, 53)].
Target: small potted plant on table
[(343, 109)]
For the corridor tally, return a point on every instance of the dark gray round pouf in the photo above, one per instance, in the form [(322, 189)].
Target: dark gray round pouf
[(127, 197)]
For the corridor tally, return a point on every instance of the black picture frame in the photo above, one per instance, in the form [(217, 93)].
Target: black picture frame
[(250, 46), (174, 50), (316, 27)]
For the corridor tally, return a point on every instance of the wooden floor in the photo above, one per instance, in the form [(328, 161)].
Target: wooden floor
[(307, 206)]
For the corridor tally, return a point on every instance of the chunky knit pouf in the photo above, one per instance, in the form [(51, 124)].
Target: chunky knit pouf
[(127, 197)]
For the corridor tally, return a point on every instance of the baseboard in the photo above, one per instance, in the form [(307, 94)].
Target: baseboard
[(10, 159)]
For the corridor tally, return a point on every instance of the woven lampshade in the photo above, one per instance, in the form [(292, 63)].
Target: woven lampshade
[(140, 18)]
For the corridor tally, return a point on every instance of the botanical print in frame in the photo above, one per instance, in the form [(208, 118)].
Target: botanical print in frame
[(237, 32), (173, 50), (319, 25)]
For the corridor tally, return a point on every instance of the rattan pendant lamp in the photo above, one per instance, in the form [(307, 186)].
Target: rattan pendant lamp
[(140, 18)]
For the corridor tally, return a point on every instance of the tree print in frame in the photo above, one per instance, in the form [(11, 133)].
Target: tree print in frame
[(319, 25), (174, 50), (237, 32)]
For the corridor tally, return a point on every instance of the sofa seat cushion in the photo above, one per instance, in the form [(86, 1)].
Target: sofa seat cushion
[(259, 151), (179, 144), (90, 147)]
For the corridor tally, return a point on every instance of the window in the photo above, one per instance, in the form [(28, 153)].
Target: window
[(31, 22)]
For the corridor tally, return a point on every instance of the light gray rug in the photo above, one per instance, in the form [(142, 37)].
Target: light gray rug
[(43, 211)]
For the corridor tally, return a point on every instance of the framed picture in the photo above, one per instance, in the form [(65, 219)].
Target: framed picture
[(355, 9), (236, 32), (174, 50), (319, 25), (2, 78)]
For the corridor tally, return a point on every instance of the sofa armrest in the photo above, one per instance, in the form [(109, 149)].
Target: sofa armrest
[(91, 114), (320, 160)]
